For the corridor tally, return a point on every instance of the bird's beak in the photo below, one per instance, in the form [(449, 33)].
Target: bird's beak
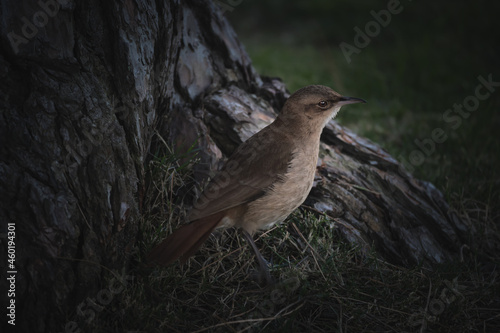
[(349, 100)]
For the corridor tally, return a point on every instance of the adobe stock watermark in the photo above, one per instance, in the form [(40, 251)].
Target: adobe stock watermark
[(454, 118), (436, 306), (362, 39), (11, 273), (30, 25), (91, 307)]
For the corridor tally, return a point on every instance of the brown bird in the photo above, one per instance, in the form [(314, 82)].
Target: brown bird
[(266, 178)]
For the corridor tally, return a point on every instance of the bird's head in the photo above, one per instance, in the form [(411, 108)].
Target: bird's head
[(314, 106)]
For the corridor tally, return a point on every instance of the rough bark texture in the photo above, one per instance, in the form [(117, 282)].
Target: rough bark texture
[(83, 88)]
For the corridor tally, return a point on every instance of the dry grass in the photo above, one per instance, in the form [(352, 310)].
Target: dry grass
[(322, 283)]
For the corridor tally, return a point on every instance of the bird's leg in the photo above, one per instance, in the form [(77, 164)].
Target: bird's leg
[(262, 262)]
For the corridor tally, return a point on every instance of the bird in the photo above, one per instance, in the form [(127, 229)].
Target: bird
[(266, 178)]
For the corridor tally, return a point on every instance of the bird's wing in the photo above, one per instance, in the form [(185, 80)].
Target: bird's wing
[(253, 168)]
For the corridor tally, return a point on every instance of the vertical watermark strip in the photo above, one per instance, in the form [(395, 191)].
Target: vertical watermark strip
[(11, 273)]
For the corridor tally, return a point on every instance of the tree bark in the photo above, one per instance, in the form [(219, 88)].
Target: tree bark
[(84, 85)]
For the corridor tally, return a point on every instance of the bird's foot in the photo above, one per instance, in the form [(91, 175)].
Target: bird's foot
[(262, 277)]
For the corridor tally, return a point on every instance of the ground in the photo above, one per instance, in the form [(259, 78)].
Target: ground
[(429, 57)]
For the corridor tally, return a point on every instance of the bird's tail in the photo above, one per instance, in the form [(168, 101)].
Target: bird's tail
[(185, 241)]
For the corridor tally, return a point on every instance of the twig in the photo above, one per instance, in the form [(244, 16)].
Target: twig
[(277, 316), (422, 328), (312, 250)]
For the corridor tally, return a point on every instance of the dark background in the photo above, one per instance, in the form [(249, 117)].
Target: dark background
[(427, 59)]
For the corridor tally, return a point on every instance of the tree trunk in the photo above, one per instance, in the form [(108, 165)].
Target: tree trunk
[(84, 85)]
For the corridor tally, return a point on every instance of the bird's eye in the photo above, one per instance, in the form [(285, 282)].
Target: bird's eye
[(322, 104)]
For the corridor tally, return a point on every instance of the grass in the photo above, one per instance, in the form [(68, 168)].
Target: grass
[(323, 284), (426, 60)]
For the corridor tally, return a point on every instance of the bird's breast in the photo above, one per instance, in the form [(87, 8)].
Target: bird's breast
[(285, 195)]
